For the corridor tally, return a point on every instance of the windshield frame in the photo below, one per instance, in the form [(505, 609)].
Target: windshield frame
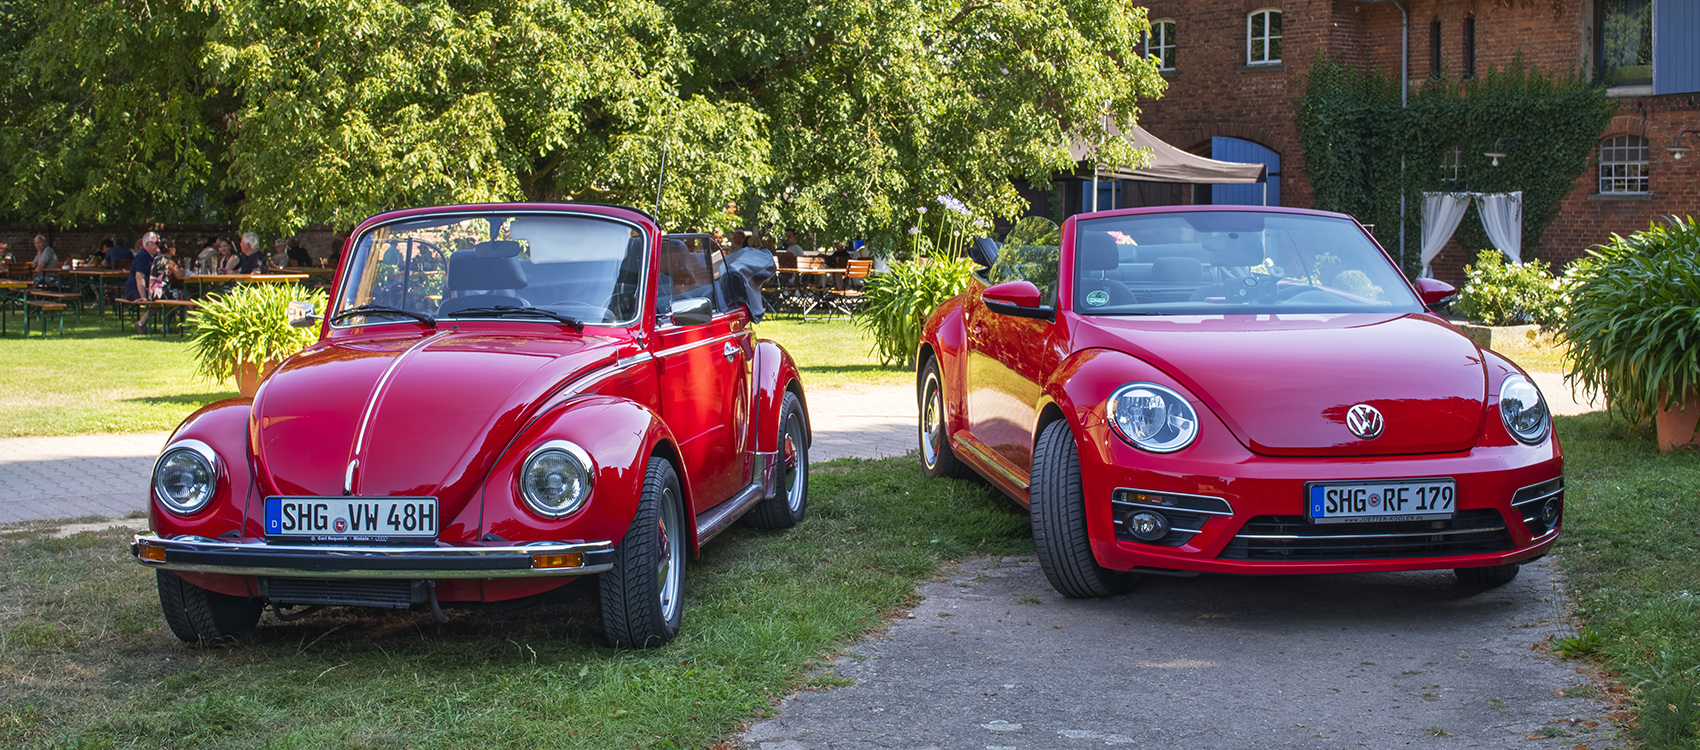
[(1076, 273), (346, 277)]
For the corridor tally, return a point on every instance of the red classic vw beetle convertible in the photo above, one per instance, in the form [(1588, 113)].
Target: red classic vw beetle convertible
[(502, 398), (1233, 390)]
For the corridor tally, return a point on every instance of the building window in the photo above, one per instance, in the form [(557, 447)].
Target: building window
[(1469, 48), (1160, 44), (1451, 164), (1263, 37), (1434, 47), (1625, 44), (1623, 165)]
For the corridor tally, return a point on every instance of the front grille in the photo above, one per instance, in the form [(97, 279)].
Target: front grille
[(343, 591), (1294, 539), (1531, 500)]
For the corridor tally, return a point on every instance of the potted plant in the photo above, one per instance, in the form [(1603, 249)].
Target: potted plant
[(1508, 304), (245, 332), (1634, 327)]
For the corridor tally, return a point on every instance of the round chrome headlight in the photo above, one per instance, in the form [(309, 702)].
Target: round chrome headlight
[(556, 479), (1152, 417), (1523, 409), (185, 476)]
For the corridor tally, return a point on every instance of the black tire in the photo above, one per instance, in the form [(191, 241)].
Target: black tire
[(1059, 521), (937, 459), (197, 615), (790, 499), (641, 597), (1488, 577)]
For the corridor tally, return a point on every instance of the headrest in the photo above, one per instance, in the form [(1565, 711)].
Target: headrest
[(469, 271), (1177, 269), (1096, 251), (1235, 249), (497, 249)]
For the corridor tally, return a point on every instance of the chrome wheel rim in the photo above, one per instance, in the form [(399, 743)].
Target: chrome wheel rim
[(932, 420), (669, 568), (796, 465)]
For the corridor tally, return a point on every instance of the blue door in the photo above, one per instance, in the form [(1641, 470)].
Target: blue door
[(1246, 152)]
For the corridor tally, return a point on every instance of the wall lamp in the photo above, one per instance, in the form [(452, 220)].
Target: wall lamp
[(1496, 154), (1677, 151)]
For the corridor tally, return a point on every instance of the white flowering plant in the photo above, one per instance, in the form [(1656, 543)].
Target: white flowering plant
[(1498, 293)]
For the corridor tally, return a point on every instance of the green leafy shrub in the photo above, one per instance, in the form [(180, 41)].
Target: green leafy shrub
[(1634, 324), (249, 324), (895, 304), (1501, 294)]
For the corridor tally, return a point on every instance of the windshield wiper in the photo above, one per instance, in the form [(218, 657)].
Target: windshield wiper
[(384, 310), (498, 312)]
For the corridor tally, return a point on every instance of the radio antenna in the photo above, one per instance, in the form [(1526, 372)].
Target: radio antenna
[(661, 179)]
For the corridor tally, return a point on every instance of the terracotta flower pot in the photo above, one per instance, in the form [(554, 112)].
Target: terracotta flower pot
[(1676, 427), (249, 375)]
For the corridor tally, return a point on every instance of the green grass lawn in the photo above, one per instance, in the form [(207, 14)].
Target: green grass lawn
[(86, 661), (1631, 547), (97, 379), (832, 353)]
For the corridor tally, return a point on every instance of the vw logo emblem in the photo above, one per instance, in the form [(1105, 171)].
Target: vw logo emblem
[(1364, 421)]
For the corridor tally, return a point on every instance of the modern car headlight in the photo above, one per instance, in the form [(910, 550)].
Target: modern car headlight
[(1523, 409), (556, 478), (185, 476), (1152, 417)]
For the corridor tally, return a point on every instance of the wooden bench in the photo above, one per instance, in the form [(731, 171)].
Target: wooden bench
[(162, 311), (43, 308), (63, 298)]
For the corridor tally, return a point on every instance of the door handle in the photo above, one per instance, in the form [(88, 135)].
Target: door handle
[(730, 350)]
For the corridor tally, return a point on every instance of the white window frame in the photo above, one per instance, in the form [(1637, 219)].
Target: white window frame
[(1623, 165), (1163, 42), (1268, 15), (1451, 164)]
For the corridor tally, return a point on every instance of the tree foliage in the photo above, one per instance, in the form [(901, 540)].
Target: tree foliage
[(840, 116), (1363, 150)]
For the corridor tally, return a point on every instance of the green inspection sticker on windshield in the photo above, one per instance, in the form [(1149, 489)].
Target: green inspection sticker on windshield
[(1098, 298)]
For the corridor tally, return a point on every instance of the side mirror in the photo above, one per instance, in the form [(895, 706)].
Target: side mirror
[(984, 251), (692, 311), (1436, 293), (300, 314), (1016, 298)]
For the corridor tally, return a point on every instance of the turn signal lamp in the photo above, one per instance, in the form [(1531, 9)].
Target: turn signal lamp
[(150, 553), (568, 560)]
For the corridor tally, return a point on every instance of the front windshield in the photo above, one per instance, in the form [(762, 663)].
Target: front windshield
[(518, 266), (1235, 262)]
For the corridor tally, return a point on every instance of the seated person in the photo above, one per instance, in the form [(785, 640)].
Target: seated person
[(116, 255), (45, 260), (299, 257)]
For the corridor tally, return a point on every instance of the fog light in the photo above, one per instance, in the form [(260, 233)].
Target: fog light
[(150, 553), (1147, 526), (1549, 512), (568, 560)]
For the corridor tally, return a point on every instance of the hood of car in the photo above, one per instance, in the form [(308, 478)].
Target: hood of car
[(1285, 385), (421, 416)]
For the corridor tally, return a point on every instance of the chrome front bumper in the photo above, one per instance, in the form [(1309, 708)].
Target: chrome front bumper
[(196, 554)]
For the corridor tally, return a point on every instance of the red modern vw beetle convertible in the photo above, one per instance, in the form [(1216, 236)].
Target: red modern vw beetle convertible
[(502, 398), (1233, 390)]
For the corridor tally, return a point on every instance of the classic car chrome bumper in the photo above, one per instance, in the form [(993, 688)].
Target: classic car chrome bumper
[(197, 554)]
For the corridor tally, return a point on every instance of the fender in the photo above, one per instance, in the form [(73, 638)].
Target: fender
[(945, 335), (619, 435), (774, 374), (223, 426)]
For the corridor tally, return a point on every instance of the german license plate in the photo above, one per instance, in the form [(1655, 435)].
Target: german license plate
[(374, 519), (1381, 500)]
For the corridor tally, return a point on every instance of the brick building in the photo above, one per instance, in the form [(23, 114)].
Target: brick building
[(1236, 67)]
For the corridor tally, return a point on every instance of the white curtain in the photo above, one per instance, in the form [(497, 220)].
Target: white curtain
[(1441, 214), (1502, 217)]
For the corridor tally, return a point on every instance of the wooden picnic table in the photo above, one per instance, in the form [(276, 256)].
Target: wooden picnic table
[(312, 271), (804, 297), (98, 277), (12, 293), (200, 280)]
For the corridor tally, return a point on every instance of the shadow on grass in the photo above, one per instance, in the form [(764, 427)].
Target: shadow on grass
[(183, 398)]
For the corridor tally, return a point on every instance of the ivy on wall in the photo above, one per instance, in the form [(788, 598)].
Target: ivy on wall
[(1355, 135)]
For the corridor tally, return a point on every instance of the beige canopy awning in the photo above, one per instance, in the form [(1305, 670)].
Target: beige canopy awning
[(1170, 164)]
